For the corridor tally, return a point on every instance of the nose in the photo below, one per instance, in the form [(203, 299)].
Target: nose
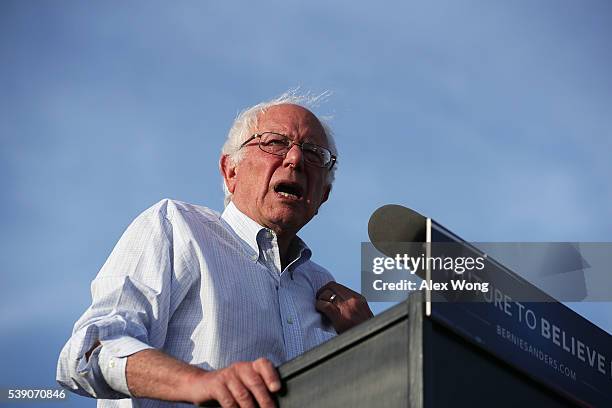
[(294, 157)]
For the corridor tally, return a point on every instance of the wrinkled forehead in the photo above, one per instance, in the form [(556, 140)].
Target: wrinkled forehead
[(294, 121)]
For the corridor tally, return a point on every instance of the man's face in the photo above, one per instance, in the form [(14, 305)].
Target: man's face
[(260, 182)]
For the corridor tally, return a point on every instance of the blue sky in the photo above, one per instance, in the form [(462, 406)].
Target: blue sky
[(494, 118)]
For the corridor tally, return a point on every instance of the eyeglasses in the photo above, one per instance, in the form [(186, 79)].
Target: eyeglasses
[(279, 145)]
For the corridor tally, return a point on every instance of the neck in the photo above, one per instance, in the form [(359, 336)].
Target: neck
[(284, 247), (284, 234)]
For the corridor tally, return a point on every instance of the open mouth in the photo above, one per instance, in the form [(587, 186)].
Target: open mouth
[(288, 190)]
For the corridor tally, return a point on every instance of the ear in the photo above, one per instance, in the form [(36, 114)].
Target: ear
[(325, 197), (326, 194), (228, 170)]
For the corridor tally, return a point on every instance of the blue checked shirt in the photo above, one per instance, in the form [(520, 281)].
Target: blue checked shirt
[(204, 288)]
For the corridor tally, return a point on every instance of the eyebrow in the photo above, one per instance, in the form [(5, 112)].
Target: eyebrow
[(307, 139)]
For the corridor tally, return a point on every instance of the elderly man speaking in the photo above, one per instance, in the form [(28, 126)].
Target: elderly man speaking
[(192, 306)]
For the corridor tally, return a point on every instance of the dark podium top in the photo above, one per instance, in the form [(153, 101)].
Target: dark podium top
[(401, 358)]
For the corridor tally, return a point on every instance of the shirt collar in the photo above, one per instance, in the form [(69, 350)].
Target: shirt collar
[(248, 230), (243, 226)]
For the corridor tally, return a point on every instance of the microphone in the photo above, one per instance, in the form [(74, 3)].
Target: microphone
[(394, 229), (547, 270)]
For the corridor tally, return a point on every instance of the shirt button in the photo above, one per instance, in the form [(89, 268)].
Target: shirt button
[(111, 364), (289, 320), (254, 257)]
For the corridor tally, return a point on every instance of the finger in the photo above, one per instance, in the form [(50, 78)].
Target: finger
[(240, 393), (328, 286), (334, 314), (269, 374), (329, 310), (257, 388), (224, 397), (328, 295), (342, 291)]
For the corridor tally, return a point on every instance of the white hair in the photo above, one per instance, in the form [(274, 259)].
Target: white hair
[(246, 122)]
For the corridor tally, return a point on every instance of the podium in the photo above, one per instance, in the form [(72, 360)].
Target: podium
[(403, 358), (511, 345)]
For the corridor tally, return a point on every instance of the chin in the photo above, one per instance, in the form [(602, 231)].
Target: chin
[(288, 221)]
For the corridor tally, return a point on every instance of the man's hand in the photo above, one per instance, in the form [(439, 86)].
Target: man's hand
[(154, 374), (342, 306), (239, 385)]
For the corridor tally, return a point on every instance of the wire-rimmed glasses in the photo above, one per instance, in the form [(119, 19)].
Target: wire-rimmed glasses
[(279, 145)]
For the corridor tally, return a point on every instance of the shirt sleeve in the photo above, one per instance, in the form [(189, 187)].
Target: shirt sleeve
[(131, 305)]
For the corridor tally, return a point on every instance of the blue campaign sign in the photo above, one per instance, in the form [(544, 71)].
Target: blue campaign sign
[(531, 331)]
